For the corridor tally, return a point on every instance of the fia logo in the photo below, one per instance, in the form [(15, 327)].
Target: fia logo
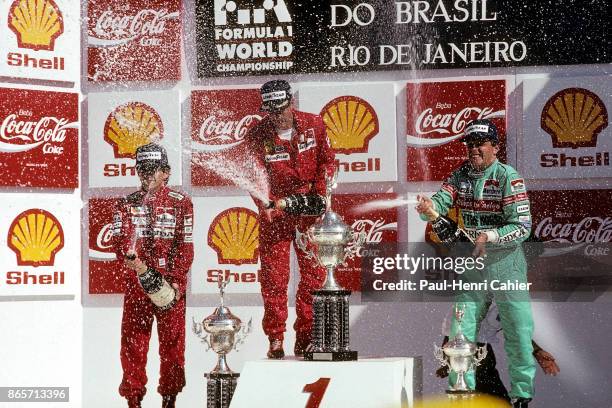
[(222, 7)]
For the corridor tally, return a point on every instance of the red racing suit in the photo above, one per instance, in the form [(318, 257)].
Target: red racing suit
[(158, 226), (293, 166)]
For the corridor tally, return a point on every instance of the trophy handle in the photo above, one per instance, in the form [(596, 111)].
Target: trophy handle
[(301, 239), (353, 247), (197, 329), (439, 355), (481, 353), (243, 333)]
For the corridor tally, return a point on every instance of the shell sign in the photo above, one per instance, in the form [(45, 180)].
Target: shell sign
[(130, 126), (566, 132), (36, 23), (360, 123), (40, 245), (35, 236), (41, 39), (121, 122), (234, 235), (226, 244), (574, 117), (351, 123)]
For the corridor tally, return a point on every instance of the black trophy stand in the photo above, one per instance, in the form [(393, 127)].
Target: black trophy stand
[(330, 332), (220, 389)]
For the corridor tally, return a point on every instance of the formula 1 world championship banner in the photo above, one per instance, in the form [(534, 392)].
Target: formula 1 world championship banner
[(437, 114), (219, 123), (39, 138), (263, 37), (133, 40)]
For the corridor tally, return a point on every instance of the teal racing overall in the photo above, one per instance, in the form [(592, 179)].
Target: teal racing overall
[(495, 202)]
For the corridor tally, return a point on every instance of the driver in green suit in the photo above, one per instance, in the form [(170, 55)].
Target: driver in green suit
[(496, 215)]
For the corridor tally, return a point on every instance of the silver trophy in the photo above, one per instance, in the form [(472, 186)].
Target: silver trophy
[(461, 356), (330, 242), (224, 332)]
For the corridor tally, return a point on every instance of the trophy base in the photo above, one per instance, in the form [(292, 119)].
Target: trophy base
[(220, 389), (349, 355), (461, 394)]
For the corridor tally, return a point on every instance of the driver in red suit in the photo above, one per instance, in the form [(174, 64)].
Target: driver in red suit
[(152, 235), (293, 148)]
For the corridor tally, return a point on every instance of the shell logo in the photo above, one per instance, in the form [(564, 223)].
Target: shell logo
[(130, 126), (351, 123), (36, 23), (574, 117), (35, 236), (234, 235)]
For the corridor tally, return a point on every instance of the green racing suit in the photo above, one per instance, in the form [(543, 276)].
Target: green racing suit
[(495, 202)]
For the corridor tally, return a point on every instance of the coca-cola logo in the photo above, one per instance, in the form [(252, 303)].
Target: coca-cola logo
[(588, 230), (452, 124), (19, 135), (103, 245), (373, 230), (216, 134), (112, 29)]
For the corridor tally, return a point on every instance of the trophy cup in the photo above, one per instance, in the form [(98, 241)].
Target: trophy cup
[(224, 333), (461, 356), (330, 242)]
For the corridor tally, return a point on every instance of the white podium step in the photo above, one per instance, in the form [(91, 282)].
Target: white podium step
[(366, 383)]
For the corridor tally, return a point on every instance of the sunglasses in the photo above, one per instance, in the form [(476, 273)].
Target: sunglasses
[(475, 142)]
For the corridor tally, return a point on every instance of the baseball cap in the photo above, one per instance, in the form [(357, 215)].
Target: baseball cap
[(275, 95), (481, 129), (150, 157)]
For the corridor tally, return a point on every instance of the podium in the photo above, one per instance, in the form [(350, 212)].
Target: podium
[(366, 383)]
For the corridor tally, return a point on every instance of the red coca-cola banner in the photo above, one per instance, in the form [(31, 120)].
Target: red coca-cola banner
[(572, 216), (219, 122), (437, 114), (132, 40), (575, 261), (105, 272), (39, 138), (365, 213)]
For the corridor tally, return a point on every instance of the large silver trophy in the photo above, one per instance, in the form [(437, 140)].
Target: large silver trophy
[(224, 332), (330, 242), (461, 356)]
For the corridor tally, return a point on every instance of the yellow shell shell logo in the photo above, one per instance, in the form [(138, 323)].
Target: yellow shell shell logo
[(351, 123), (130, 126), (35, 236), (574, 117), (36, 23), (234, 235)]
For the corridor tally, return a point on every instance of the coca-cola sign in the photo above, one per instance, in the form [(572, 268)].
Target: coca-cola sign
[(437, 115), (377, 222), (572, 216), (39, 137), (105, 272), (216, 134), (219, 122), (134, 40), (19, 134)]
